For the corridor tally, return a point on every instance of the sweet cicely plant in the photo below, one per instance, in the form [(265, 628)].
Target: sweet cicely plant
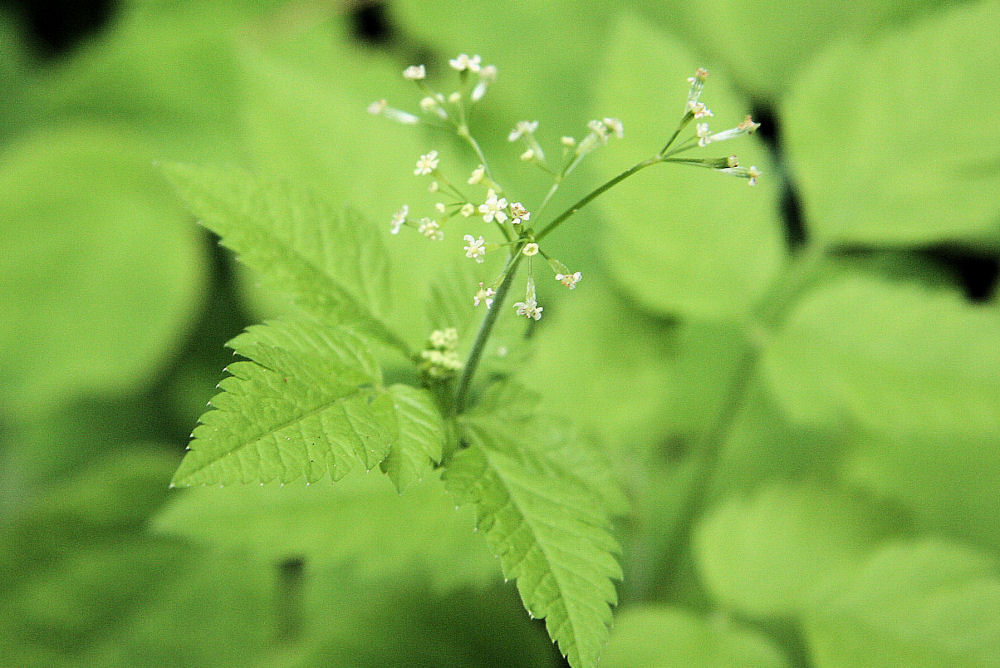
[(311, 397)]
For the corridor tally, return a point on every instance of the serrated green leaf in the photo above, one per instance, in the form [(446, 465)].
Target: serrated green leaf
[(100, 272), (420, 438), (915, 156), (920, 604), (764, 556), (680, 239), (549, 531), (290, 414), (331, 264), (899, 359), (662, 637)]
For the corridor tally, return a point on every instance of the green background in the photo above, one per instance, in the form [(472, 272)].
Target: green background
[(849, 508)]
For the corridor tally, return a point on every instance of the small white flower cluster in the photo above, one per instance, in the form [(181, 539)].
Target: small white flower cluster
[(695, 109), (440, 356)]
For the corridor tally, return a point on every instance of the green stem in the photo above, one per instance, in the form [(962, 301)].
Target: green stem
[(769, 313), (594, 194), (463, 132), (485, 328)]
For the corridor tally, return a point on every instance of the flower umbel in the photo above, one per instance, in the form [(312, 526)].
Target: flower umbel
[(427, 164)]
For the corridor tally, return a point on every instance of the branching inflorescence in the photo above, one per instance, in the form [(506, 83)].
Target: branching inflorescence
[(481, 195)]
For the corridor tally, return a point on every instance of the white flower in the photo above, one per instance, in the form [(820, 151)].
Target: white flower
[(615, 126), (529, 309), (486, 76), (431, 229), (440, 207), (750, 173), (699, 110), (569, 280), (428, 103), (477, 175), (493, 208), (399, 218), (464, 62), (468, 209), (475, 249), (415, 72), (483, 296), (747, 127), (703, 134), (568, 142), (600, 130), (455, 97), (518, 213), (427, 164), (697, 82), (379, 108), (523, 128), (530, 249), (433, 187), (528, 155)]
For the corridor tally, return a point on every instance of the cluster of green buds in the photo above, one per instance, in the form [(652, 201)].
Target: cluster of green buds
[(439, 358), (480, 195)]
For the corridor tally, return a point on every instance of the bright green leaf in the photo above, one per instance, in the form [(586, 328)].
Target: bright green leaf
[(680, 239), (900, 359), (890, 140), (332, 264), (289, 414), (420, 439), (763, 556), (662, 637), (101, 272), (917, 604), (548, 529)]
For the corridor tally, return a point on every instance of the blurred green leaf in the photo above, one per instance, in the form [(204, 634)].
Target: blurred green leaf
[(763, 556), (948, 481), (398, 622), (899, 359), (923, 603), (359, 524), (888, 139), (664, 637), (544, 73), (100, 271), (167, 74), (765, 44), (680, 239)]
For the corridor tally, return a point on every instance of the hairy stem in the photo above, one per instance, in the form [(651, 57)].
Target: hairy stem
[(485, 328), (594, 194)]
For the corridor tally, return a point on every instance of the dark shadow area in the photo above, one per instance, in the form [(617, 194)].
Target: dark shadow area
[(56, 26)]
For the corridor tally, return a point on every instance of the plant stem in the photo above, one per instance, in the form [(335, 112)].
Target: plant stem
[(769, 313), (594, 194), (485, 328)]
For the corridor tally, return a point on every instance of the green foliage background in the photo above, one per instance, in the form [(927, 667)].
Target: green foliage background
[(851, 516)]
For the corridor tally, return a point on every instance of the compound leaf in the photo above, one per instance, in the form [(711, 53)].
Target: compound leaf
[(289, 413), (549, 529), (332, 264)]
